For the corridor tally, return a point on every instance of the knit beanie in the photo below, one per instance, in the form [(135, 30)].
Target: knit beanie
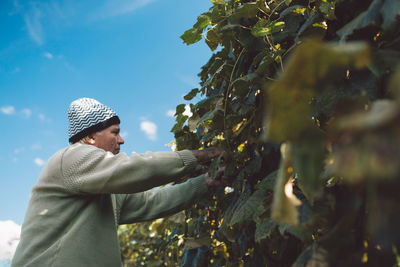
[(87, 116)]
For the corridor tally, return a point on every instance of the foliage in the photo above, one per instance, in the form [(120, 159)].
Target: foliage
[(153, 243), (305, 96)]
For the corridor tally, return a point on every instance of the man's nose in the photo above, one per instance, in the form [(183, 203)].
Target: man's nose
[(121, 141)]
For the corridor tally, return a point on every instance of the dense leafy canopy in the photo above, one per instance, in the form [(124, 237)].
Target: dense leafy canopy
[(305, 96)]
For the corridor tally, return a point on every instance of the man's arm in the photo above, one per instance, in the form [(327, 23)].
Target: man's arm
[(166, 201), (160, 202), (87, 169)]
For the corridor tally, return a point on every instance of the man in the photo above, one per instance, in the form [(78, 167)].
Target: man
[(86, 189)]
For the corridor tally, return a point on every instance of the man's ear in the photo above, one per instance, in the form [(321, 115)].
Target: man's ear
[(89, 139)]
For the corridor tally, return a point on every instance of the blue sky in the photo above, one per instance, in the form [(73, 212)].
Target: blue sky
[(125, 53)]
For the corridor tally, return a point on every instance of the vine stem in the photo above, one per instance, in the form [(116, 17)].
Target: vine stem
[(230, 86), (275, 8)]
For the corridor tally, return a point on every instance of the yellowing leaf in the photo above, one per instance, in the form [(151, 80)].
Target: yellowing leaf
[(240, 148), (299, 11), (218, 2), (264, 27)]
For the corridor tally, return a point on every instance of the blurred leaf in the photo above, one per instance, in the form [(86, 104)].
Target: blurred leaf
[(390, 13), (382, 112), (309, 159), (384, 61), (285, 202), (288, 110), (383, 217), (394, 84), (374, 154)]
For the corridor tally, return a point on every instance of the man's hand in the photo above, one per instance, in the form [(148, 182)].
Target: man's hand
[(218, 179), (206, 155)]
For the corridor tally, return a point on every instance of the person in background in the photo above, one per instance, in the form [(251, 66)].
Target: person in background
[(88, 188)]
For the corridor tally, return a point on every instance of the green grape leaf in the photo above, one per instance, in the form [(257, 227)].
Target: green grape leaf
[(247, 10), (191, 94), (244, 213), (366, 18), (264, 229)]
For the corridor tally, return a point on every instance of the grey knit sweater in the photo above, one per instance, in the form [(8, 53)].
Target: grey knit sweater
[(83, 193)]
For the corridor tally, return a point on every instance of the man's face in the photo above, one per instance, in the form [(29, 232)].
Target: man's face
[(109, 139)]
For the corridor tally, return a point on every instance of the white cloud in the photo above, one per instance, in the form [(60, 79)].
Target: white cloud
[(187, 111), (172, 145), (113, 8), (36, 146), (150, 129), (9, 238), (27, 112), (124, 134), (39, 162), (17, 8), (34, 26), (170, 113), (19, 150), (189, 80), (48, 55), (8, 110), (41, 117), (69, 67)]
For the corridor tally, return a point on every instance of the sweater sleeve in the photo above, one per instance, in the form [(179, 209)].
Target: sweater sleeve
[(160, 202), (88, 169)]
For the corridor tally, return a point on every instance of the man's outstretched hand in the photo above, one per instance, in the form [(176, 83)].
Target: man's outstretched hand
[(206, 155), (219, 178)]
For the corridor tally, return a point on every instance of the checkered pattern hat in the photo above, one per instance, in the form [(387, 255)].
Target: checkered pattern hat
[(87, 116)]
